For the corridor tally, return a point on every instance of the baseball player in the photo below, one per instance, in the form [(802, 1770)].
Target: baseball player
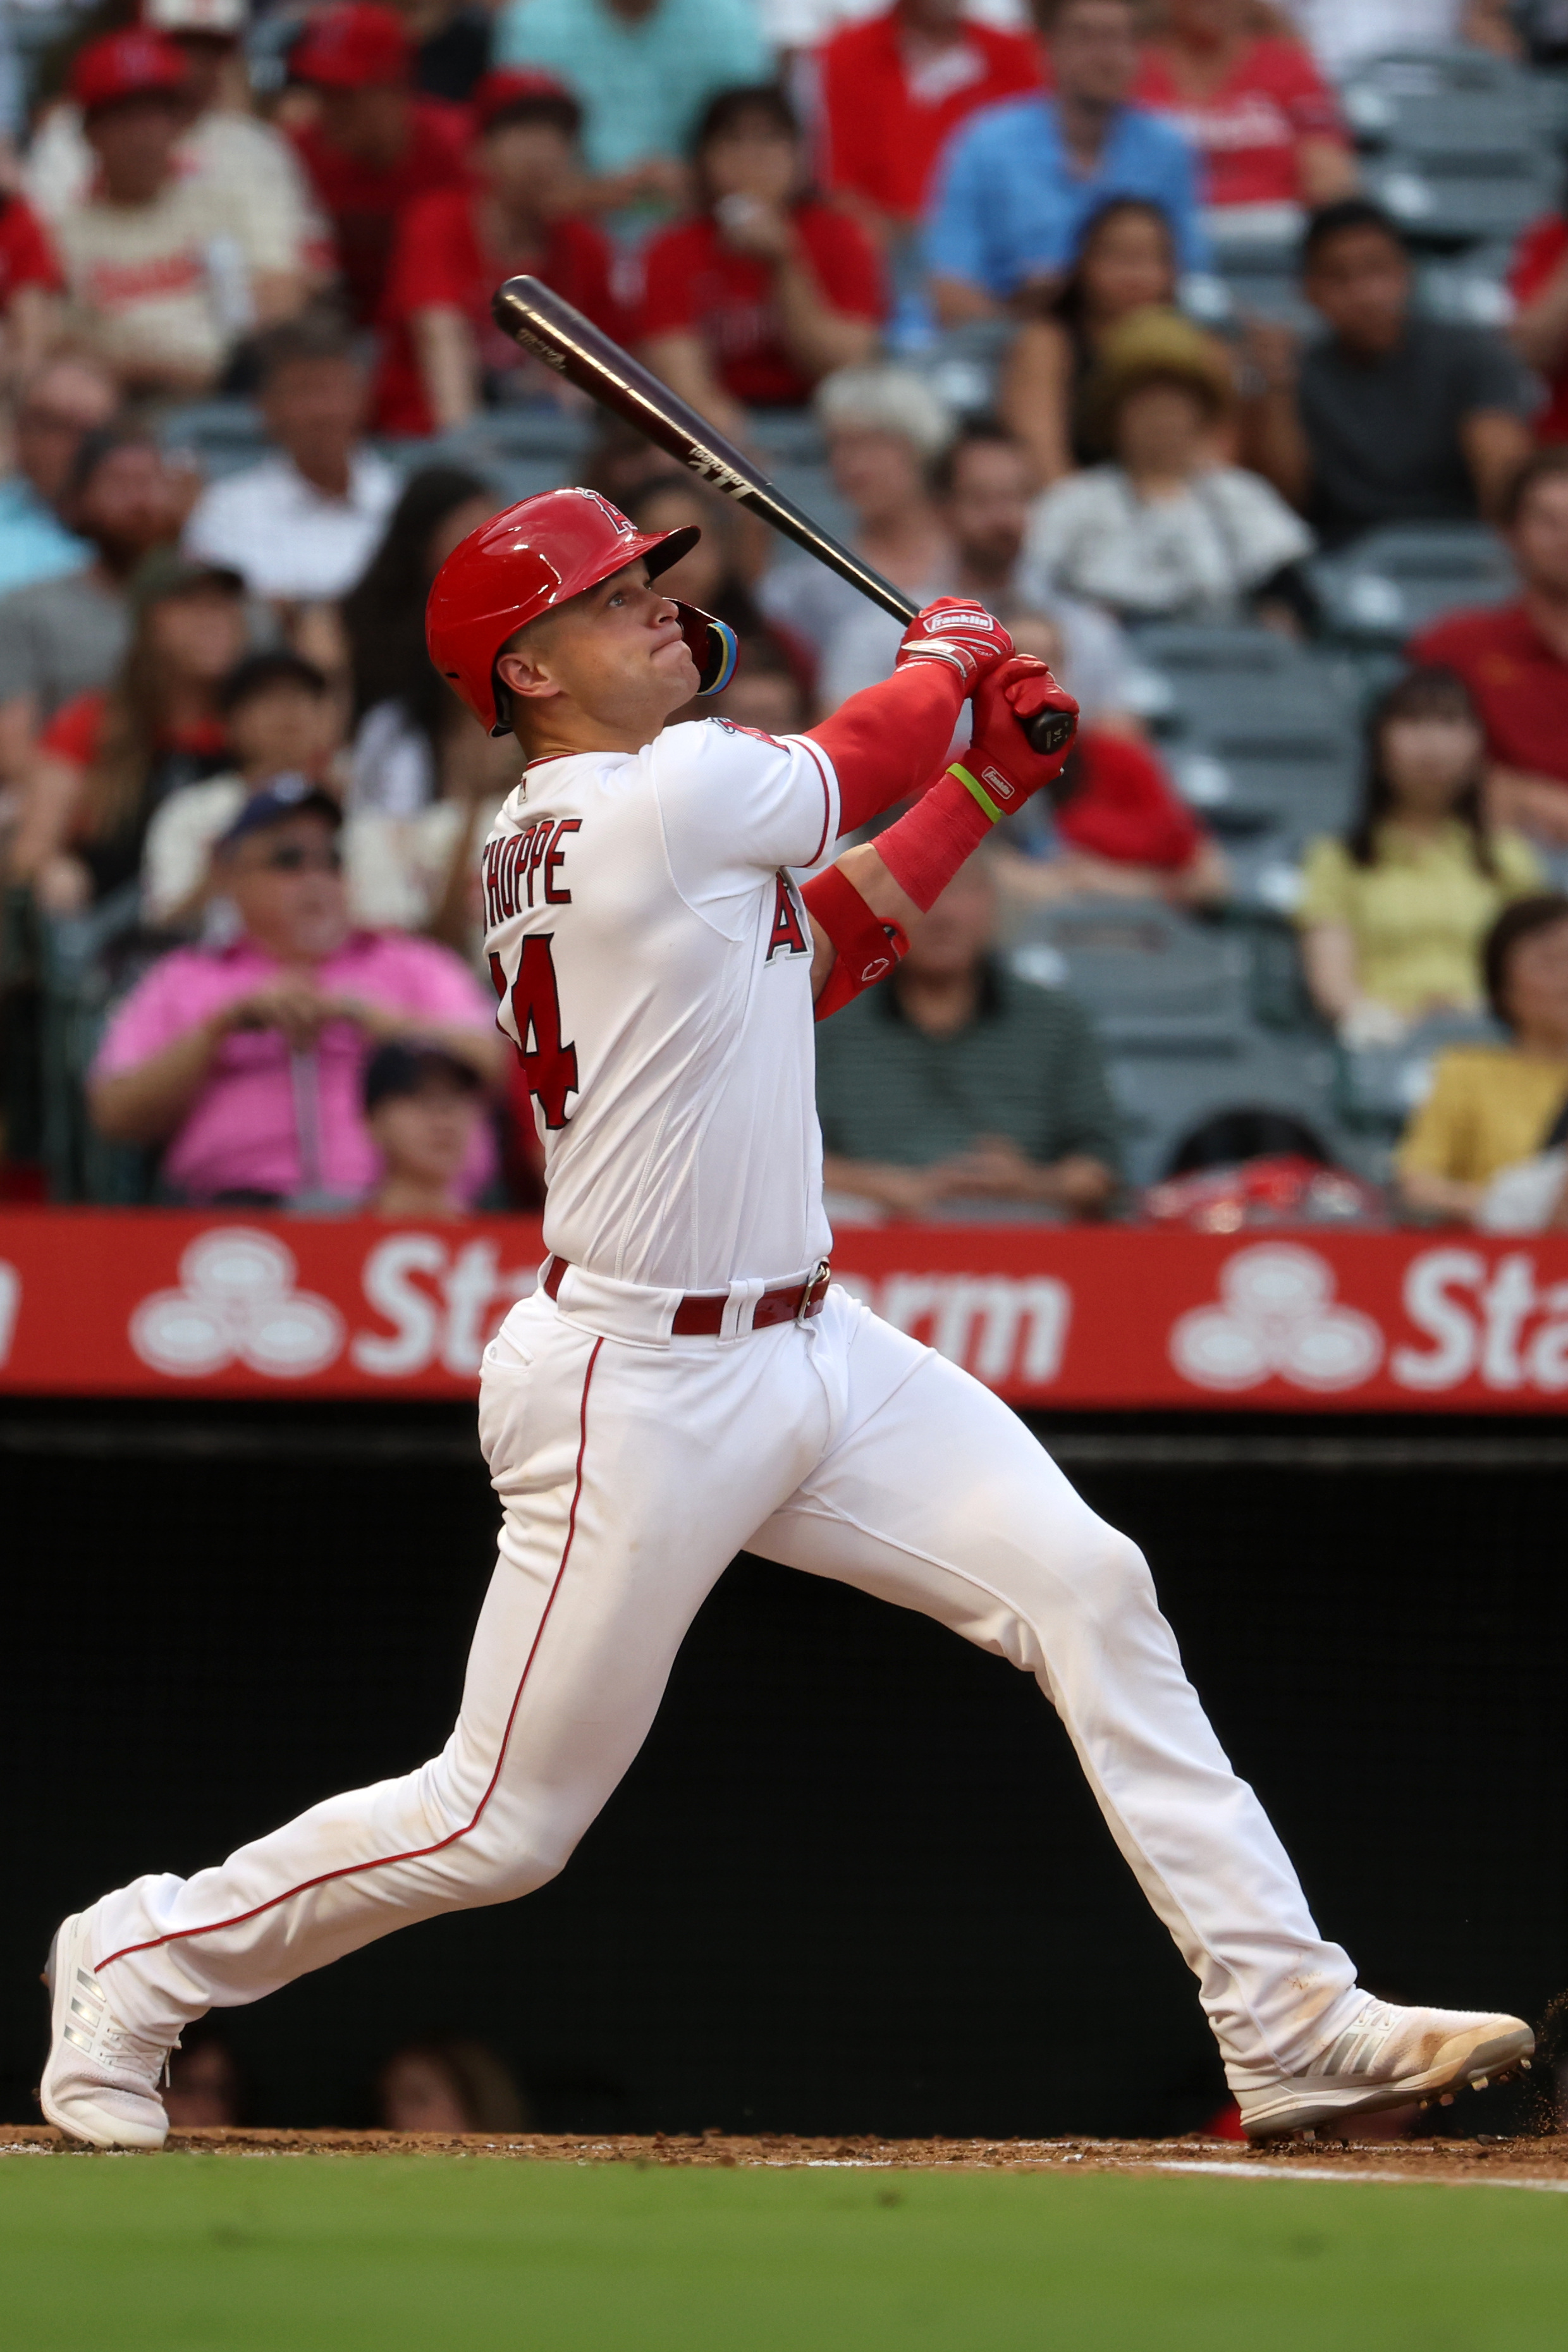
[(684, 1383)]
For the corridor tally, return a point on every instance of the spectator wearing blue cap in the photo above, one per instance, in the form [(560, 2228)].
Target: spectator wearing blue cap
[(246, 1062)]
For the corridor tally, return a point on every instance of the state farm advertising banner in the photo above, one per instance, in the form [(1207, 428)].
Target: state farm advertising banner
[(149, 1303)]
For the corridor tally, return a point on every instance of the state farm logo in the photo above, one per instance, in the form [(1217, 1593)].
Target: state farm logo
[(1278, 1319), (1004, 1329), (237, 1304)]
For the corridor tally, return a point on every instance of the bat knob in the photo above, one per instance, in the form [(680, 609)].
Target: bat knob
[(1051, 730)]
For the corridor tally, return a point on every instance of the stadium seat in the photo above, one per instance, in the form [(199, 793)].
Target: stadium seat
[(223, 436), (1409, 96), (1138, 960), (1378, 1087), (1397, 579), (84, 962)]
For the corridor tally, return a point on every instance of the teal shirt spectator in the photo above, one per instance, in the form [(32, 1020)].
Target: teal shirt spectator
[(34, 542), (1009, 205), (643, 80)]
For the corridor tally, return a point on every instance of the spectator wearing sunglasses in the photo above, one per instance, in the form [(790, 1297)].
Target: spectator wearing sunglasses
[(245, 1063)]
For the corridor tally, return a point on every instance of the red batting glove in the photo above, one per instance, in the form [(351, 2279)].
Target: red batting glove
[(959, 632), (999, 759)]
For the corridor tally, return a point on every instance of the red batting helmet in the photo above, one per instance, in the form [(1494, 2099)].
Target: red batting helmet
[(521, 563)]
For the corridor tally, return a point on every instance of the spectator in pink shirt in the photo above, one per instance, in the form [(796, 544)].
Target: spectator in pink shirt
[(247, 1063)]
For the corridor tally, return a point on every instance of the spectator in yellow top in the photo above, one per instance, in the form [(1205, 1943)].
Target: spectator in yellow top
[(1492, 1106), (1392, 915)]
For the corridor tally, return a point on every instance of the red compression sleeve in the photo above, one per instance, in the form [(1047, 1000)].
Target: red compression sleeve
[(865, 946), (926, 847), (885, 741)]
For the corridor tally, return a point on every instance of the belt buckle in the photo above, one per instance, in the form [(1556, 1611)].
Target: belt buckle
[(819, 1274)]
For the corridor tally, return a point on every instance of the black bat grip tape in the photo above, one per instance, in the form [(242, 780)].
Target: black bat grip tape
[(1050, 731)]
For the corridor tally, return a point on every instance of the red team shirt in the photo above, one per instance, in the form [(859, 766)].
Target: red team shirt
[(26, 257), (363, 204), (1125, 810), (1247, 132), (884, 129), (693, 284), (440, 261), (1519, 686), (1541, 249)]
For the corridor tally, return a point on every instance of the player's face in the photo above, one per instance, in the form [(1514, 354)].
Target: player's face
[(613, 658)]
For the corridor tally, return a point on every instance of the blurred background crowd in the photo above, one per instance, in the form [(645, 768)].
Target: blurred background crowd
[(1221, 347)]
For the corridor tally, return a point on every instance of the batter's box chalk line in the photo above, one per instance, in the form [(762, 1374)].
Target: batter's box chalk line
[(1218, 2169), (1278, 1316), (237, 1302)]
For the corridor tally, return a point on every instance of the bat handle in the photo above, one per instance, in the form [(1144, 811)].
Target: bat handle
[(1050, 731)]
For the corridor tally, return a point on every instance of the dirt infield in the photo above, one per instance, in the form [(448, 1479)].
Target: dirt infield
[(1523, 2163)]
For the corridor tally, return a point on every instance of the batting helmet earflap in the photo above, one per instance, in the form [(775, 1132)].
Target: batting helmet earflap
[(521, 562)]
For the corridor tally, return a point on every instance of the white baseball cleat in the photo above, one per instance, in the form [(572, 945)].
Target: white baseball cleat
[(101, 2080), (1386, 2057)]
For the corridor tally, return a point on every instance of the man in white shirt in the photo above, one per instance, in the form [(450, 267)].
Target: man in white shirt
[(302, 525), (223, 147)]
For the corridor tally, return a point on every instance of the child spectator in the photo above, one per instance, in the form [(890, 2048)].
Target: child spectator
[(1017, 183), (767, 290), (376, 146), (1126, 260), (60, 637), (1111, 825), (1514, 657), (30, 283), (644, 71), (280, 718), (1492, 1106), (107, 759), (247, 166), (956, 1083), (1257, 109), (58, 407), (302, 526), (884, 428), (1392, 918), (893, 90), (163, 273), (1390, 417), (247, 1062), (423, 1107), (445, 357), (1166, 531)]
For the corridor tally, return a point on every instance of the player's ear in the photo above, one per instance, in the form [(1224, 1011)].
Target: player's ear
[(520, 668)]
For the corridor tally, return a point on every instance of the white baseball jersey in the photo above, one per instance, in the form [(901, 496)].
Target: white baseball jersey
[(653, 960)]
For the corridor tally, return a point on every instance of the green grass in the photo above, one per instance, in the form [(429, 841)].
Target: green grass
[(193, 2253)]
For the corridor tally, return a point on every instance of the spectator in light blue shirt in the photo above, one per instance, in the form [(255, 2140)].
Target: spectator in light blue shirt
[(63, 402), (643, 70), (1020, 180)]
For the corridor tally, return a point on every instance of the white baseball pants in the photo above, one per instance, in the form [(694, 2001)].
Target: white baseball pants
[(631, 1473)]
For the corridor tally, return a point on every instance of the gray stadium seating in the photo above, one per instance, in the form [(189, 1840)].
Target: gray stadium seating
[(1378, 1087), (1396, 580)]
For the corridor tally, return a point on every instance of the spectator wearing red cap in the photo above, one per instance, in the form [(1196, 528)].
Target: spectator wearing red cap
[(30, 281), (376, 146), (894, 87), (444, 356), (160, 269), (223, 145), (767, 289)]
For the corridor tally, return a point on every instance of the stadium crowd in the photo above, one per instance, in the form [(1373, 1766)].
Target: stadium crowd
[(239, 812)]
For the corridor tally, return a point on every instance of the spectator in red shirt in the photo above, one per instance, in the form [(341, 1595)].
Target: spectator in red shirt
[(1111, 826), (893, 88), (375, 147), (444, 356), (1514, 657), (30, 281), (1255, 107), (767, 289), (107, 759), (1539, 284)]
